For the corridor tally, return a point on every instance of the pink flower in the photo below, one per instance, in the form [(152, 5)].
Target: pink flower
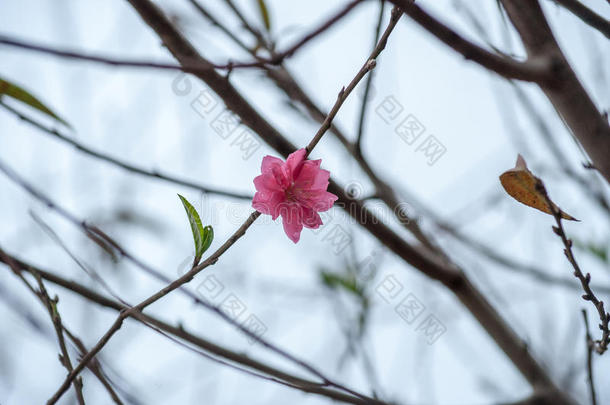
[(295, 189)]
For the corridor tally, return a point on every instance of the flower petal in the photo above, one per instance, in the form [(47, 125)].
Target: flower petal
[(292, 220), (295, 162), (311, 219), (267, 182), (321, 201), (295, 189), (311, 177), (268, 203), (269, 162)]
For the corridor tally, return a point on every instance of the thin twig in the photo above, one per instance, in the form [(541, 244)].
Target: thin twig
[(587, 15), (288, 84), (449, 274), (508, 262), (51, 307), (260, 38), (279, 57), (590, 347), (343, 94), (106, 60), (119, 163), (585, 280), (564, 89), (94, 231), (180, 333), (94, 366), (96, 277), (368, 66), (15, 265), (64, 356), (216, 22), (535, 70), (369, 82), (90, 272), (276, 58)]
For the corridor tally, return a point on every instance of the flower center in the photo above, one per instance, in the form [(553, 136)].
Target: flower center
[(290, 193)]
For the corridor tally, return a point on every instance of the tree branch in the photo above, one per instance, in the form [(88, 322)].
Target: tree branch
[(590, 347), (64, 357), (585, 280), (276, 58), (215, 22), (295, 92), (369, 82), (279, 58), (119, 163), (182, 334), (566, 93), (587, 15), (451, 276), (64, 53), (532, 70), (16, 266), (176, 284), (343, 94)]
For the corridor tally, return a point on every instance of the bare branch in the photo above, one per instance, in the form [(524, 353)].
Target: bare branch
[(217, 23), (186, 67), (182, 334), (509, 263), (177, 284), (64, 53), (590, 347), (16, 266), (262, 41), (93, 364), (585, 280), (547, 135), (451, 276), (369, 82), (343, 94), (587, 15), (64, 357), (122, 164), (532, 70), (278, 58), (286, 82), (90, 272), (566, 93), (95, 367)]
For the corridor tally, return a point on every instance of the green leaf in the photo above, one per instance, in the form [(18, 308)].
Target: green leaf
[(345, 282), (348, 282), (262, 7), (202, 236), (12, 90), (208, 237)]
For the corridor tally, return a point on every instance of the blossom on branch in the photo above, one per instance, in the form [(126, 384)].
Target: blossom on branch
[(295, 189)]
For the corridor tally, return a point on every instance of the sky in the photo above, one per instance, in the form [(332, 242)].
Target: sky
[(138, 116)]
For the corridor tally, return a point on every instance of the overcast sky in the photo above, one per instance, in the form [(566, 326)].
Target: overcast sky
[(136, 115)]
